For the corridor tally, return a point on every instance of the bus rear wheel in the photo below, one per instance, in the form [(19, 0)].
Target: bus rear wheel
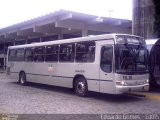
[(22, 79), (81, 87)]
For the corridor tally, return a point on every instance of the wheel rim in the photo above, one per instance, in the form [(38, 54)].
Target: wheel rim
[(80, 87), (22, 79)]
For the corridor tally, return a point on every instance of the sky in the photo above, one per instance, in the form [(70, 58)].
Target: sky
[(16, 11)]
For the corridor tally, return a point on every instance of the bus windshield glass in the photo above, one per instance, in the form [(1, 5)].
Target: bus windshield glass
[(131, 57)]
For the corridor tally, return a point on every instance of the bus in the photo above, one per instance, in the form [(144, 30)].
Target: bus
[(109, 63), (153, 46)]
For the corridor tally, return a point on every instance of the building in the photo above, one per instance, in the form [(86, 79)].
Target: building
[(60, 24)]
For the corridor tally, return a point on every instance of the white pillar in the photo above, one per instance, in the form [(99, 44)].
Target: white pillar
[(41, 39), (4, 62), (60, 36), (84, 32), (14, 42), (4, 55)]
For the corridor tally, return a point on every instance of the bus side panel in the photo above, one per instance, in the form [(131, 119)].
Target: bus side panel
[(10, 69), (60, 74), (107, 87), (15, 68), (93, 85), (39, 73), (28, 68), (67, 71), (91, 73), (47, 73), (63, 74), (62, 81)]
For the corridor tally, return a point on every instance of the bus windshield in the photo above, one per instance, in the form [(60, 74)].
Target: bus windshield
[(131, 59)]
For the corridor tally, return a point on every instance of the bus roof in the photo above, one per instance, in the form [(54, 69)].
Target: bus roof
[(88, 38)]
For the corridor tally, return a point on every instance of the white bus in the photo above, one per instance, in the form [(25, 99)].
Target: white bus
[(110, 63), (153, 46)]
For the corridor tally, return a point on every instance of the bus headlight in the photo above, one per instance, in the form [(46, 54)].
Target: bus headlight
[(146, 81), (123, 83)]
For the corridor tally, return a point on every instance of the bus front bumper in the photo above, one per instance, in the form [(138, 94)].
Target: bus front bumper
[(126, 89)]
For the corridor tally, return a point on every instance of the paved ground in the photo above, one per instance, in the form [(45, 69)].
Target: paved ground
[(43, 99)]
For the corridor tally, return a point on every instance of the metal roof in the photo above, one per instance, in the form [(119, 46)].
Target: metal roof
[(64, 22)]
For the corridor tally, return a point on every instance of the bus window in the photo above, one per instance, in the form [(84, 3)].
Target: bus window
[(20, 55), (52, 53), (85, 52), (39, 54), (12, 55), (67, 52), (106, 58), (29, 54)]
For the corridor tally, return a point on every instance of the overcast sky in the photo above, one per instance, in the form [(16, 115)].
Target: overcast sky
[(15, 11)]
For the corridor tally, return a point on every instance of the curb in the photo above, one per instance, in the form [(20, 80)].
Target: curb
[(136, 94), (153, 96), (150, 96)]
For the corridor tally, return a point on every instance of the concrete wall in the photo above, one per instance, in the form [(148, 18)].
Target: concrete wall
[(143, 18)]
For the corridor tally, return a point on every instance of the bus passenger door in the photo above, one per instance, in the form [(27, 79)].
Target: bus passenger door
[(106, 69)]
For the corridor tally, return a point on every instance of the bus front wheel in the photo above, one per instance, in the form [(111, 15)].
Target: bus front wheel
[(22, 79), (81, 87)]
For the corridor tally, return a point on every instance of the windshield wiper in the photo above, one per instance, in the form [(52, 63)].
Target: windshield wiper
[(135, 52)]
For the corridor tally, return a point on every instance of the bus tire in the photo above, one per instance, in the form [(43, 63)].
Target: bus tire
[(22, 79), (81, 87)]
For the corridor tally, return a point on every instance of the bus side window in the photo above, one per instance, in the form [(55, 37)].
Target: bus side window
[(29, 54), (106, 58), (85, 52), (12, 55), (67, 52), (52, 53), (20, 55), (39, 54)]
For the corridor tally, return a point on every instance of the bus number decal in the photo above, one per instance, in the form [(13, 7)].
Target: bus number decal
[(80, 71), (50, 68)]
